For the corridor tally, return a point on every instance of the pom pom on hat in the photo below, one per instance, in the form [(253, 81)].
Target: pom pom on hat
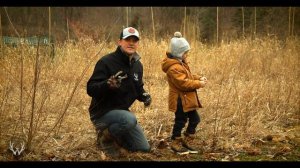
[(177, 34)]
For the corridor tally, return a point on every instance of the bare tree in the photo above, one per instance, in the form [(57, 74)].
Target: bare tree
[(293, 21), (184, 22), (254, 22), (217, 25), (153, 27), (127, 15), (68, 30), (1, 37), (290, 11), (49, 14), (243, 18)]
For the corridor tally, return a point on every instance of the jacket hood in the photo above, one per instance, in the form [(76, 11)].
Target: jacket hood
[(168, 62)]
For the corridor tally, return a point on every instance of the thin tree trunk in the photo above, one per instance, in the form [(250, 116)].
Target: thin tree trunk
[(127, 15), (1, 39), (194, 31), (290, 11), (243, 22), (153, 27), (49, 13), (293, 21), (68, 29), (217, 25), (184, 22), (254, 22), (35, 82)]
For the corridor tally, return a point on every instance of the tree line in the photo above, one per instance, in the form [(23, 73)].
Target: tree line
[(207, 24)]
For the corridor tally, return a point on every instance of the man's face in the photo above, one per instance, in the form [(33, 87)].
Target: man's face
[(129, 45)]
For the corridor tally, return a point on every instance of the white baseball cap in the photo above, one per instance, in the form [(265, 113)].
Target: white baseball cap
[(129, 31)]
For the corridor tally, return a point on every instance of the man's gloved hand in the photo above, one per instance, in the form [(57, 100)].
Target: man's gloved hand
[(147, 99), (115, 80)]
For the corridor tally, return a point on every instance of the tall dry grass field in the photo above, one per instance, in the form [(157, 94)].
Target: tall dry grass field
[(253, 92)]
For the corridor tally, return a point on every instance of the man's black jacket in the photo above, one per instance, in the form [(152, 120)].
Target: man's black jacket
[(105, 99)]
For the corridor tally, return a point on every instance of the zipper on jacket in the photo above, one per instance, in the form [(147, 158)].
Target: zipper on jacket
[(198, 101), (184, 98)]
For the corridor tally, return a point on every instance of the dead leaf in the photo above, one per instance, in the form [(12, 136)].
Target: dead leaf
[(226, 158), (282, 151), (285, 149), (275, 138), (162, 144), (295, 141), (278, 138), (102, 156), (268, 138), (258, 142), (68, 157), (214, 155), (83, 155), (157, 153), (253, 151)]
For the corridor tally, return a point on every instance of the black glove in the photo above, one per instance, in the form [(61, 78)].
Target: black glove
[(147, 99), (115, 80)]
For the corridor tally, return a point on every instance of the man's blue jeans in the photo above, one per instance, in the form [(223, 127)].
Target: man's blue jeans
[(123, 125)]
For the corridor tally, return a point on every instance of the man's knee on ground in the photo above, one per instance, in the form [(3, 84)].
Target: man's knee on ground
[(128, 121), (145, 149)]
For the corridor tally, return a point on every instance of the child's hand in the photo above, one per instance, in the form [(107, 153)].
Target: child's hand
[(203, 78), (203, 81)]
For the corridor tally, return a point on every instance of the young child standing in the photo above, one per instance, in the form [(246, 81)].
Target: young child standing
[(183, 99)]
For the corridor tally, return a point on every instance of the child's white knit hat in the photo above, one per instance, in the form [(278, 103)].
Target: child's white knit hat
[(179, 45)]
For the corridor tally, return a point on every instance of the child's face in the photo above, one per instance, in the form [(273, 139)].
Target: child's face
[(185, 55)]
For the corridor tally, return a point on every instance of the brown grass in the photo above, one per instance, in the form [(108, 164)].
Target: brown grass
[(253, 91)]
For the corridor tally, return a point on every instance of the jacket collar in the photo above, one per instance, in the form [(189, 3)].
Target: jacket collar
[(125, 57), (169, 55)]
